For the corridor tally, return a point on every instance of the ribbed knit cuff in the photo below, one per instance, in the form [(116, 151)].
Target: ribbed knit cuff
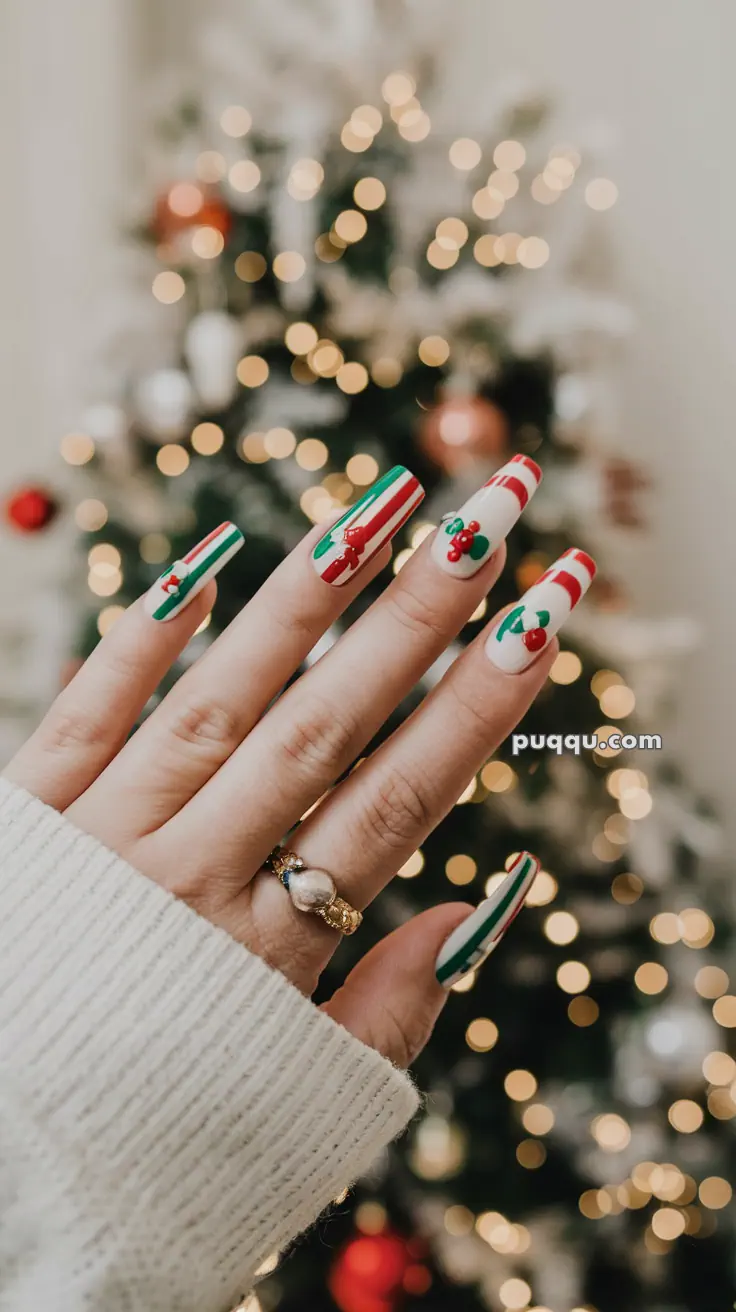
[(194, 1110)]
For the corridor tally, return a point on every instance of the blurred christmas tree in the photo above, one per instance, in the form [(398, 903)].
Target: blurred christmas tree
[(341, 284)]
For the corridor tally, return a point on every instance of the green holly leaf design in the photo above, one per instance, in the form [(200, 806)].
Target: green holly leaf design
[(543, 617), (511, 623), (454, 526), (479, 547)]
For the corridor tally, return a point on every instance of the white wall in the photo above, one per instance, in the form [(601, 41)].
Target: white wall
[(661, 73)]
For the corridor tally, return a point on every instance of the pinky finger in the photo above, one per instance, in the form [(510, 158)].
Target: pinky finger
[(90, 720)]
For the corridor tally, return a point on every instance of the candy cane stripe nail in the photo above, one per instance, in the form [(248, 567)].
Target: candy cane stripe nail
[(465, 540), (368, 525), (527, 628), (475, 939), (181, 582)]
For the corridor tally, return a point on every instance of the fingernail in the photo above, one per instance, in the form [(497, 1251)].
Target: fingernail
[(366, 526), (526, 629), (466, 538), (475, 939), (180, 582)]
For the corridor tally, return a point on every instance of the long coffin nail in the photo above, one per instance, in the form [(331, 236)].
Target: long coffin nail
[(475, 939), (527, 628), (367, 525), (181, 582), (466, 538)]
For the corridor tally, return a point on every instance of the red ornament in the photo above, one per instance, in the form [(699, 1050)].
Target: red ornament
[(373, 1272), (534, 640), (30, 509), (463, 430), (208, 211)]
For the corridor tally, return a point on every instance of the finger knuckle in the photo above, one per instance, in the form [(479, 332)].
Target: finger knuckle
[(70, 729), (320, 741), (417, 613), (205, 727), (399, 1038), (398, 809), (474, 710)]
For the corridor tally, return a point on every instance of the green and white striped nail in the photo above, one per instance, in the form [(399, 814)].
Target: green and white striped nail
[(475, 939), (180, 582)]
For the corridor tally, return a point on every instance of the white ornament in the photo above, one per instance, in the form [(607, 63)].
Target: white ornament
[(212, 347), (164, 401)]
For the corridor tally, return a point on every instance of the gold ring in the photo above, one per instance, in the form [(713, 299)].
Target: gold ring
[(313, 890)]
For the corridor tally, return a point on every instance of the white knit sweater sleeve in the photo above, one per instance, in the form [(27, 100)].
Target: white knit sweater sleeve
[(172, 1110)]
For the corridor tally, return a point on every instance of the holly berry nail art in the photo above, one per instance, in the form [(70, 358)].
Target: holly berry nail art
[(527, 628), (366, 526), (466, 538), (181, 582)]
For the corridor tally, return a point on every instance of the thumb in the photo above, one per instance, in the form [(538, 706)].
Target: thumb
[(391, 999)]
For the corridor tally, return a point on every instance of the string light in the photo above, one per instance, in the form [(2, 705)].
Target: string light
[(352, 377), (250, 266), (458, 1220), (172, 459), (401, 559), (350, 226), (561, 927), (77, 448), (207, 439), (542, 192), (487, 204), (544, 889), (279, 443), (651, 977), (533, 252), (451, 234), (244, 176), (479, 611), (305, 179), (251, 447), (168, 287), (515, 1294), (362, 469), (288, 266), (509, 156), (724, 1011), (601, 194), (531, 1154), (538, 1118), (108, 616), (433, 351), (441, 258), (386, 372), (520, 1085), (90, 515), (627, 889), (481, 1034), (715, 1193), (573, 977), (235, 121), (185, 199), (397, 88), (370, 1217), (498, 777), (352, 141), (415, 125), (719, 1068), (711, 982), (617, 701), (413, 866), (369, 193), (252, 371), (366, 121), (583, 1011), (486, 252), (207, 242), (311, 453), (507, 247), (461, 869), (685, 1116), (611, 1132), (567, 668), (502, 184), (301, 338), (665, 927), (465, 154), (465, 984), (104, 558)]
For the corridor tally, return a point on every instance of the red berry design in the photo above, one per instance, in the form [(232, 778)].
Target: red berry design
[(534, 640), (461, 543)]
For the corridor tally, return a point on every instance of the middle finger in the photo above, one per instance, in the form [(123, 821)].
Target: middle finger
[(321, 724)]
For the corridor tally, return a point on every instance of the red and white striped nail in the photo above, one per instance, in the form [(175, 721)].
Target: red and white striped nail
[(526, 629), (466, 538), (180, 582), (366, 526)]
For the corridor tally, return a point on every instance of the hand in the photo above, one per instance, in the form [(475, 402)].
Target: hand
[(214, 778)]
